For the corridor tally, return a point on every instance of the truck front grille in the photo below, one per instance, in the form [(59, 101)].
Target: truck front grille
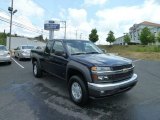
[(121, 67), (120, 76)]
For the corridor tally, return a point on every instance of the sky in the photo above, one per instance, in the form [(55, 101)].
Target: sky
[(81, 16)]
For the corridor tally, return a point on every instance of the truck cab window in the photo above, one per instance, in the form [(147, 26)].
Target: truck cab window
[(58, 46)]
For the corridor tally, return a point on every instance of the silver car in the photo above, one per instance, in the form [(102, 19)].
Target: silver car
[(23, 51), (5, 55)]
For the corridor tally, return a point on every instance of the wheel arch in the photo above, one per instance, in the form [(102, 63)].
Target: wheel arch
[(75, 68)]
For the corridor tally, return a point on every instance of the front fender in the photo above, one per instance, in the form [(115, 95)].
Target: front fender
[(84, 70)]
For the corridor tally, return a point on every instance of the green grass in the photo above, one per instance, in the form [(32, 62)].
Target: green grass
[(151, 52), (132, 48)]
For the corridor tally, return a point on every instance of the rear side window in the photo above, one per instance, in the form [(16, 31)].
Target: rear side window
[(48, 46)]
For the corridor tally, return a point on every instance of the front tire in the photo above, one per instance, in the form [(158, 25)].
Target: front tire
[(36, 70), (78, 90)]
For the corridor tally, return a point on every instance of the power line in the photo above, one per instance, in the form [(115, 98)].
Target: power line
[(36, 28), (21, 26)]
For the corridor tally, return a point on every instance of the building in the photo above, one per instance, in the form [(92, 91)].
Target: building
[(17, 41), (119, 41), (136, 29)]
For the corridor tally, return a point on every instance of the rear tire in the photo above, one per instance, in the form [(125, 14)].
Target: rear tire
[(78, 90), (36, 70)]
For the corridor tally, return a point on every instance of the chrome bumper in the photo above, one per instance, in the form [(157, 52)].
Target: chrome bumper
[(105, 89)]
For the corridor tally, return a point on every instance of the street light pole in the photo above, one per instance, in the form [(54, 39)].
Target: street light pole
[(10, 9), (64, 28), (81, 36)]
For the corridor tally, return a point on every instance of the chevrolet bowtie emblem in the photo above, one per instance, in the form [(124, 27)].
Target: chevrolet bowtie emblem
[(125, 70)]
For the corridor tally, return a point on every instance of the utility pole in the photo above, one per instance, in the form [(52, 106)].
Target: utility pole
[(76, 34), (10, 9), (81, 36), (64, 28)]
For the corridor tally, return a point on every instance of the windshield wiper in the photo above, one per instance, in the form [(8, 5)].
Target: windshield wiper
[(78, 53), (92, 53)]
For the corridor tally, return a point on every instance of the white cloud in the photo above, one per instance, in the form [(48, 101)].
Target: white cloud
[(28, 8), (94, 2), (120, 19), (77, 23), (77, 15)]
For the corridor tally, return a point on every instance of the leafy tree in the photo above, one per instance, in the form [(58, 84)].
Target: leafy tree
[(158, 37), (40, 38), (146, 36), (126, 38), (93, 36), (110, 37), (3, 38)]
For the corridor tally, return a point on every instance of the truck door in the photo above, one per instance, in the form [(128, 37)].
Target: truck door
[(45, 61), (58, 62)]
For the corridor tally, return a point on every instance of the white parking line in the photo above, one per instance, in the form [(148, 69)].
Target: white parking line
[(137, 60), (17, 63)]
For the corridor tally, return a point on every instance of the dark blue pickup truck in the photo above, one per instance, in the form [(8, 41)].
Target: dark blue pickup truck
[(88, 71)]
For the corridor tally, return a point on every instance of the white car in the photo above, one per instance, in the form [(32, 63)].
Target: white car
[(5, 55), (23, 51)]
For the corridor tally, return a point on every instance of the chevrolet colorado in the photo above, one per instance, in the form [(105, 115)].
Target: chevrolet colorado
[(88, 71)]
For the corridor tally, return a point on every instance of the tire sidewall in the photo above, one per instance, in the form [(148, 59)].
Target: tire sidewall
[(39, 72), (83, 100)]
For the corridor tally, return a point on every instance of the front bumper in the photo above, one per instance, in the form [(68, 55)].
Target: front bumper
[(107, 89)]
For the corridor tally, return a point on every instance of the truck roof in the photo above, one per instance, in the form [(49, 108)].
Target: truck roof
[(69, 40)]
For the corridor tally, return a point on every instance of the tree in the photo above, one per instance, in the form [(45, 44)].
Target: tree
[(158, 37), (40, 38), (126, 38), (3, 38), (146, 36), (110, 37), (93, 36)]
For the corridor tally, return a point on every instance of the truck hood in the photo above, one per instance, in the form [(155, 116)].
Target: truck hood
[(101, 60)]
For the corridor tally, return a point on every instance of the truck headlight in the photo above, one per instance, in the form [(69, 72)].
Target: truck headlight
[(99, 73), (101, 69)]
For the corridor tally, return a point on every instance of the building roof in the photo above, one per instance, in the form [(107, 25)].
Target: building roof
[(150, 24), (144, 23)]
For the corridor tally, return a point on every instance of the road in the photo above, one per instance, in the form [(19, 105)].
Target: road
[(24, 97)]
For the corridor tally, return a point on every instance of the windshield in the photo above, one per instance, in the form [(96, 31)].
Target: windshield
[(3, 48), (76, 47), (27, 47)]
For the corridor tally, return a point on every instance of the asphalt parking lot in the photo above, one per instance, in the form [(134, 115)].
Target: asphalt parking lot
[(24, 97)]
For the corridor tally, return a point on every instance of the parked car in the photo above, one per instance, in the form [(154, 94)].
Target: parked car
[(87, 70), (40, 47), (23, 51), (5, 55)]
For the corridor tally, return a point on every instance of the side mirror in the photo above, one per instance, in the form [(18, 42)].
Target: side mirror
[(60, 53)]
